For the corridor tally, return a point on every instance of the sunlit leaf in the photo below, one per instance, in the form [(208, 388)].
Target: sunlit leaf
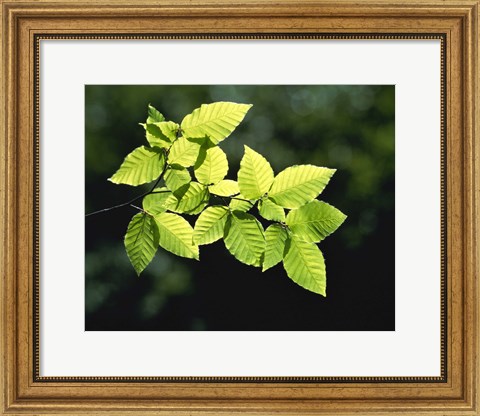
[(213, 167), (141, 241), (176, 177), (184, 152), (155, 203), (227, 187), (143, 165), (305, 265), (315, 220), (255, 175), (190, 199), (297, 185), (240, 203), (271, 211), (155, 137), (244, 238), (275, 239), (169, 129), (154, 115), (216, 121), (210, 225), (176, 235)]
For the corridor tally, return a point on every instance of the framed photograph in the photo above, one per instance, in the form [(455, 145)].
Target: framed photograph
[(257, 207)]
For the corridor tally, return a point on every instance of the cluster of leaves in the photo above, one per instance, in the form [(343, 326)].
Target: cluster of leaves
[(222, 205)]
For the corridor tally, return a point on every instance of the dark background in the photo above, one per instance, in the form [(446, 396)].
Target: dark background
[(350, 128)]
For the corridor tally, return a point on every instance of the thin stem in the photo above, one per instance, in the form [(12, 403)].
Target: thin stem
[(131, 201), (140, 209)]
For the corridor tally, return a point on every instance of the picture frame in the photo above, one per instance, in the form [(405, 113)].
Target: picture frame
[(25, 24)]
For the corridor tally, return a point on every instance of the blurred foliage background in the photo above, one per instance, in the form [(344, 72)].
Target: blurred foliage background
[(350, 128)]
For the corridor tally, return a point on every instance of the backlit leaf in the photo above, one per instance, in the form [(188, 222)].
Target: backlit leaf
[(155, 137), (141, 241), (315, 220), (297, 185), (155, 203), (143, 165), (213, 167), (184, 152), (227, 187), (216, 121), (271, 211), (305, 265), (244, 238), (189, 199), (240, 203), (177, 177), (176, 235), (169, 129), (210, 225), (154, 115), (275, 239), (255, 175)]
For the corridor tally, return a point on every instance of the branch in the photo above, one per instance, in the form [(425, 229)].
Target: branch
[(131, 201)]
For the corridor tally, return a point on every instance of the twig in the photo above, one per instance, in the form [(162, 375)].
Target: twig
[(140, 209), (131, 201)]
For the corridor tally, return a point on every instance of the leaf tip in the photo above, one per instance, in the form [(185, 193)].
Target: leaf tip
[(196, 251)]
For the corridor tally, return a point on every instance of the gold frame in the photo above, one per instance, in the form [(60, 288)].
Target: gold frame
[(24, 22)]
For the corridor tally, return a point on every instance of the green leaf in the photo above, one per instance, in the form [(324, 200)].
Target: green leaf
[(155, 136), (184, 152), (169, 129), (315, 221), (241, 203), (143, 165), (177, 177), (212, 168), (176, 235), (190, 199), (297, 185), (275, 239), (141, 241), (226, 187), (305, 265), (255, 175), (154, 115), (210, 224), (271, 211), (244, 238), (216, 121), (155, 203)]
